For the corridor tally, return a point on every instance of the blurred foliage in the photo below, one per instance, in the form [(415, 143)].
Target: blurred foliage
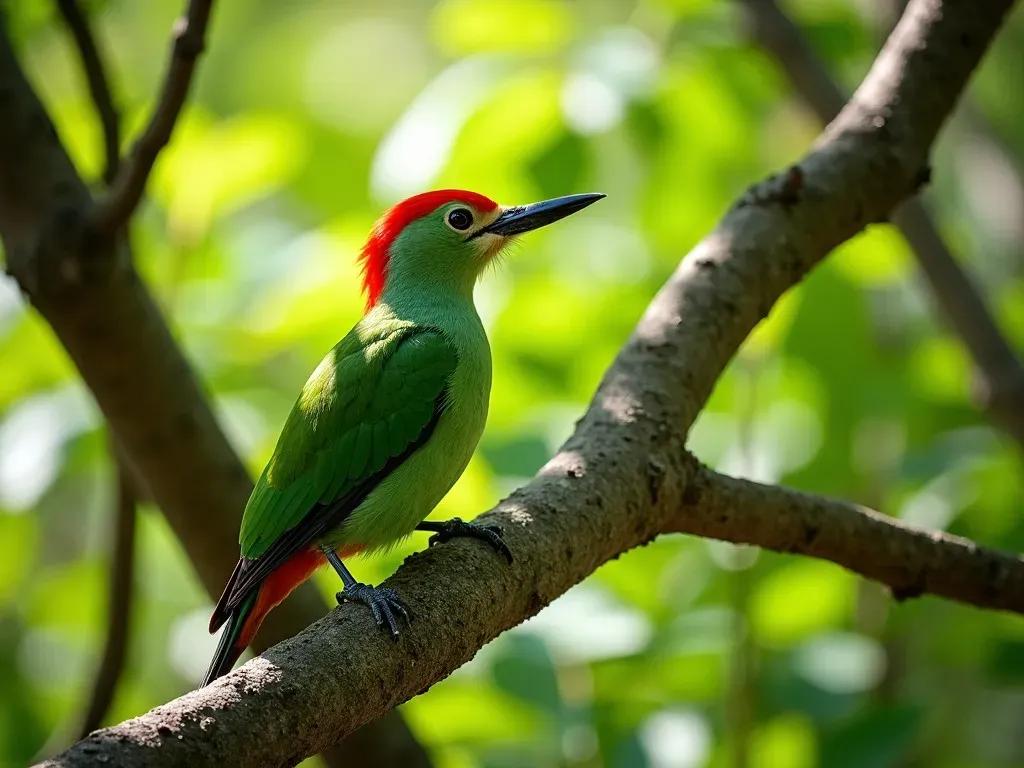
[(308, 118)]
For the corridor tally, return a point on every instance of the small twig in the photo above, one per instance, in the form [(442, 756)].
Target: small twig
[(776, 33), (189, 36), (99, 84), (1000, 374), (119, 590), (119, 599)]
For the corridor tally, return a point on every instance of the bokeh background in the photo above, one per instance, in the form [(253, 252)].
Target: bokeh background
[(309, 117)]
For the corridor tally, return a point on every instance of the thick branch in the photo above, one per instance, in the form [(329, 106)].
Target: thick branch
[(89, 292), (1000, 373), (624, 476), (189, 40), (99, 84), (910, 561)]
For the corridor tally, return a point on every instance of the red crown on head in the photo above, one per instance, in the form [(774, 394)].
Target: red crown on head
[(377, 250)]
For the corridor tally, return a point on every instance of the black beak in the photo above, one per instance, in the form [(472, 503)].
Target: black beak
[(523, 218)]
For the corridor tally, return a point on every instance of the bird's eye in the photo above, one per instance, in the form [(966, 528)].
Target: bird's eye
[(460, 219)]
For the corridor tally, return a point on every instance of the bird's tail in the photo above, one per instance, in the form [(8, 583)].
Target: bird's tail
[(243, 621), (237, 633)]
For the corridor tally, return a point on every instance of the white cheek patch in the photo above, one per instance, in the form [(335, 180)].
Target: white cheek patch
[(488, 245)]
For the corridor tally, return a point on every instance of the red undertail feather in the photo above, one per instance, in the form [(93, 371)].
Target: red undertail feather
[(276, 588), (374, 256), (245, 619)]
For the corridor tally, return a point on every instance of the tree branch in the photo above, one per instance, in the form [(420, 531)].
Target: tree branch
[(1000, 374), (119, 603), (103, 314), (99, 84), (119, 607), (908, 560), (624, 476), (189, 40)]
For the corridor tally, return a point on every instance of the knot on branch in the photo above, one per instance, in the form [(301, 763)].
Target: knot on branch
[(189, 39), (914, 589), (69, 254), (785, 189)]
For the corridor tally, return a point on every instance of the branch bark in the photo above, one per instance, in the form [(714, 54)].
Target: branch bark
[(1000, 375), (909, 561), (624, 476), (83, 283)]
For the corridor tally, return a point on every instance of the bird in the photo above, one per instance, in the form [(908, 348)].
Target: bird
[(388, 421)]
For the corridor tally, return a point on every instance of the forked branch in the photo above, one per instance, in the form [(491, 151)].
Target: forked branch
[(114, 210)]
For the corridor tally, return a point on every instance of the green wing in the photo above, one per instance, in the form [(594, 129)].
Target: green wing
[(369, 403)]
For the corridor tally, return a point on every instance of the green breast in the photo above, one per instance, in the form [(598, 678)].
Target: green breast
[(409, 493)]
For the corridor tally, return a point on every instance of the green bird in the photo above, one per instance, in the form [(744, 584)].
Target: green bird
[(388, 421)]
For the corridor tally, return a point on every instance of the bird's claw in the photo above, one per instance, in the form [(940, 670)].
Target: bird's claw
[(458, 528), (383, 602)]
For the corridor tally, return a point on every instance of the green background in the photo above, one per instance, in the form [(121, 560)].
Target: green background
[(308, 118)]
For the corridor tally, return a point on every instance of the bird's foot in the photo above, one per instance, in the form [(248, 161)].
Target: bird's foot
[(458, 528), (383, 602)]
